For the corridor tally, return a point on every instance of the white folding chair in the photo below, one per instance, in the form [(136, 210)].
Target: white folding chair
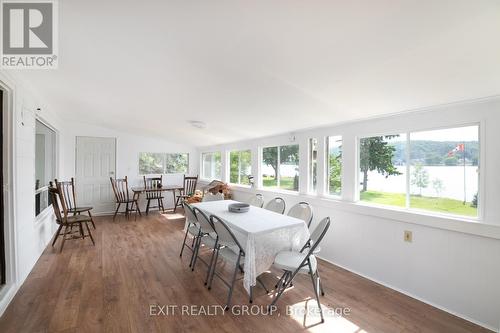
[(206, 237), (276, 205), (192, 227), (304, 262), (229, 249), (302, 211), (256, 201)]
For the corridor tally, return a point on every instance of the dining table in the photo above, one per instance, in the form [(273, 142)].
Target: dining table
[(262, 234), (165, 188)]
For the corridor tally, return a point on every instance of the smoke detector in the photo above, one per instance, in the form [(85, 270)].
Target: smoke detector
[(198, 123)]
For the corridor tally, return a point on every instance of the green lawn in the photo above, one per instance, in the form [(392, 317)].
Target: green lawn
[(442, 205), (286, 183)]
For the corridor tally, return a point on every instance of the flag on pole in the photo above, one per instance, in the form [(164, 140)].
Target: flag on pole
[(459, 147)]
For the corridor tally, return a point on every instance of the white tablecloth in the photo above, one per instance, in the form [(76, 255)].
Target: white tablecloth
[(261, 233)]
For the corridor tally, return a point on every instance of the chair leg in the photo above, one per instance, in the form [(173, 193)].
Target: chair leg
[(228, 303), (64, 238), (57, 234), (259, 280), (184, 242), (90, 234), (320, 284), (177, 203), (137, 207), (116, 211), (80, 227), (91, 219), (213, 269), (147, 206), (198, 245), (281, 290), (315, 283), (211, 263), (195, 248)]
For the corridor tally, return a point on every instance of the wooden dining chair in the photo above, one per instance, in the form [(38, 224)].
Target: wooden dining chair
[(65, 219), (152, 185), (120, 188), (69, 192), (187, 191)]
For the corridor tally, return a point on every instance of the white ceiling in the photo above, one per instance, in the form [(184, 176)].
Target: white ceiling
[(257, 68)]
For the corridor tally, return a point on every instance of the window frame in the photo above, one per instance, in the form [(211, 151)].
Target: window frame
[(326, 176), (228, 164), (202, 168), (164, 164), (310, 171), (278, 180), (43, 213), (418, 211)]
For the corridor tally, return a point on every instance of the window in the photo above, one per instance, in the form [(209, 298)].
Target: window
[(176, 163), (313, 165), (163, 163), (280, 167), (434, 170), (444, 174), (45, 155), (334, 153), (240, 167), (211, 165), (382, 166)]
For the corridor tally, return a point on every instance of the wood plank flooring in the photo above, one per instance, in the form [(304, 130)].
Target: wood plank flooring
[(135, 264)]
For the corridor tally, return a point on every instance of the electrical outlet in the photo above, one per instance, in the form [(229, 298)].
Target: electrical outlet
[(408, 236)]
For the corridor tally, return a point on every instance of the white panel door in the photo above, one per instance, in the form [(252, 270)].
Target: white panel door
[(95, 163)]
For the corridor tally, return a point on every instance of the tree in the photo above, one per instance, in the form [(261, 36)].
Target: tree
[(288, 155), (335, 181), (437, 185), (420, 177), (377, 154)]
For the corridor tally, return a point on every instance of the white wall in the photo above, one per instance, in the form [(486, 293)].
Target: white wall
[(27, 236), (128, 147), (452, 264)]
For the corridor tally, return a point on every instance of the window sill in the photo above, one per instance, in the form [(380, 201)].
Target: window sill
[(278, 190), (40, 218)]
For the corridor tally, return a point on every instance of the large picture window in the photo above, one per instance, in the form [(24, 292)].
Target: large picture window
[(434, 170), (211, 165), (240, 167), (45, 164), (334, 154), (280, 167), (163, 163)]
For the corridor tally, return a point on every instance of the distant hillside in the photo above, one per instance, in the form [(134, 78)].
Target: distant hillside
[(436, 152)]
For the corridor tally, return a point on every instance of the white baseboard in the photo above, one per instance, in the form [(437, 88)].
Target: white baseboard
[(6, 296)]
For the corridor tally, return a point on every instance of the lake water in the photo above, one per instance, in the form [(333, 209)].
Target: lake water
[(452, 178)]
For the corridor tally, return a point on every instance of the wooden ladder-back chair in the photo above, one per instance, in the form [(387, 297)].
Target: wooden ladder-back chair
[(69, 192), (65, 219), (120, 188), (188, 190), (153, 192)]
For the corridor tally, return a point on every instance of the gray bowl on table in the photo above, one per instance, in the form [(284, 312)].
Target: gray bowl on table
[(239, 207)]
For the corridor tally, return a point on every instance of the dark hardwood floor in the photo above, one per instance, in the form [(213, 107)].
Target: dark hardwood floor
[(135, 264)]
